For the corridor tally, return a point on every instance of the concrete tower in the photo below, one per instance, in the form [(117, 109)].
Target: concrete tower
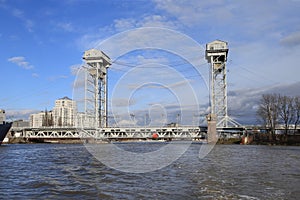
[(97, 63), (216, 55)]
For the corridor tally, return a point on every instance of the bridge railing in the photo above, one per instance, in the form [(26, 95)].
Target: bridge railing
[(114, 133)]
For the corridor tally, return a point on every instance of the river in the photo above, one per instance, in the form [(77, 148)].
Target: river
[(69, 171)]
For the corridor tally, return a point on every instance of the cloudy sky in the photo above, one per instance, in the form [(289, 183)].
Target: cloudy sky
[(42, 43)]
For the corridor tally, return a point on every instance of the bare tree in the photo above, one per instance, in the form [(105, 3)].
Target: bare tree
[(285, 111), (47, 119), (296, 108), (274, 109), (268, 111)]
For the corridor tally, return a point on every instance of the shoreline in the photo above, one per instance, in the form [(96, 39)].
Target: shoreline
[(223, 141)]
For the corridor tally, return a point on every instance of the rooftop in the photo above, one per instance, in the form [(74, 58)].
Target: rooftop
[(65, 98)]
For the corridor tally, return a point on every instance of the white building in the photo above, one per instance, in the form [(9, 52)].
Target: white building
[(2, 116), (63, 115), (36, 119), (64, 112), (41, 119), (85, 121)]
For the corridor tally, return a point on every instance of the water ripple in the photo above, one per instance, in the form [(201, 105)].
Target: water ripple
[(64, 171)]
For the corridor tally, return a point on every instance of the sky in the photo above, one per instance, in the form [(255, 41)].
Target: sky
[(42, 44)]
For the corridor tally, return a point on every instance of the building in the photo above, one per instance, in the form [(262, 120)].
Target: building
[(63, 115), (85, 121), (2, 116), (41, 119), (20, 123), (64, 112), (36, 119)]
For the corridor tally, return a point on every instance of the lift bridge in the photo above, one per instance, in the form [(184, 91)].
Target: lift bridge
[(136, 133), (96, 114)]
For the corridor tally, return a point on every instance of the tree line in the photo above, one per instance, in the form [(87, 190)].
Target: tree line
[(276, 109)]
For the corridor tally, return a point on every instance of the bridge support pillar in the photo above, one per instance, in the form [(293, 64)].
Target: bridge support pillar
[(212, 136)]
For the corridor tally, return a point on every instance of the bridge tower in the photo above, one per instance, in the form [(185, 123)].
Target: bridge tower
[(96, 76), (216, 55)]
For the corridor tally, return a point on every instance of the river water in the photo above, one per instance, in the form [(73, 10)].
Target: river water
[(69, 171)]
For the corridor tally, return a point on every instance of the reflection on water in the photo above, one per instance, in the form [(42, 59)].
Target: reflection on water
[(52, 171)]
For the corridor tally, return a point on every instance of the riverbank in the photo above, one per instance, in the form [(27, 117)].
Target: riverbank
[(263, 139), (255, 139), (21, 140), (229, 141), (275, 139)]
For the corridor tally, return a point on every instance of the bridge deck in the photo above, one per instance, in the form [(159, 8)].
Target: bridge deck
[(112, 133)]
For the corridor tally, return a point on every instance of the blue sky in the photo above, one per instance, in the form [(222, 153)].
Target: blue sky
[(40, 41)]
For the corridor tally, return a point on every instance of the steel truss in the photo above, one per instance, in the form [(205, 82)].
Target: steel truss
[(96, 87), (216, 55), (116, 133)]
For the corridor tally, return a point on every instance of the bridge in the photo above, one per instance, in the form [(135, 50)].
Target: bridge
[(137, 133), (96, 98), (134, 133)]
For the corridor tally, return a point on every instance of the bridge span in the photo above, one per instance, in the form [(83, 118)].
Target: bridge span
[(112, 133)]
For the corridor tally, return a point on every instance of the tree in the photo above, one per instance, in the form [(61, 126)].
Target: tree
[(296, 109), (47, 118), (285, 111), (59, 121), (274, 109), (268, 111)]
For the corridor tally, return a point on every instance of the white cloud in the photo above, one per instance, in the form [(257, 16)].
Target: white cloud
[(194, 12), (259, 63), (243, 103), (54, 78), (126, 123), (90, 40), (123, 102), (75, 68), (35, 75), (248, 20), (29, 24), (68, 27), (147, 21), (258, 33), (159, 114), (94, 36), (19, 114), (21, 61), (170, 86), (291, 40), (124, 24)]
